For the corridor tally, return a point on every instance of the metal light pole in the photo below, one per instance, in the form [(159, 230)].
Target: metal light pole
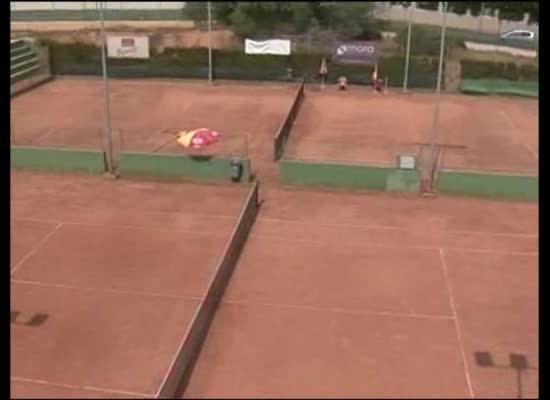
[(209, 9), (481, 13), (435, 127), (407, 55), (107, 113)]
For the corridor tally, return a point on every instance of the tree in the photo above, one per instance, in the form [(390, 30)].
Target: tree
[(458, 7), (404, 4), (508, 10), (428, 5), (272, 17), (532, 7), (511, 11), (351, 19)]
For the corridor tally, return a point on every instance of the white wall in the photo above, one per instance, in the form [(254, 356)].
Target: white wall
[(489, 24), (86, 5)]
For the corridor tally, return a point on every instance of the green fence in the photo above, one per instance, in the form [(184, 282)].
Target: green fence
[(499, 86), (192, 167), (353, 176), (493, 185), (62, 160), (85, 59)]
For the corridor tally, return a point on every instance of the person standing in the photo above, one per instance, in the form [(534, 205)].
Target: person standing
[(323, 72)]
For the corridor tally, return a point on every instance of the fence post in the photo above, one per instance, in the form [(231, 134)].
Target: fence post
[(107, 114), (209, 8)]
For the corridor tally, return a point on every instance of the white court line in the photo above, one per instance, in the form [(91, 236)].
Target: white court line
[(397, 228), (105, 290), (152, 228), (139, 210), (76, 387), (338, 310), (367, 244), (35, 248), (457, 323)]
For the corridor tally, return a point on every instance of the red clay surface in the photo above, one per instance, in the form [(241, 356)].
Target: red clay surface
[(146, 115), (117, 269), (341, 295), (492, 133)]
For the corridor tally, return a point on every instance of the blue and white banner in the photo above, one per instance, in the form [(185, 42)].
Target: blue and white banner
[(355, 53), (278, 47)]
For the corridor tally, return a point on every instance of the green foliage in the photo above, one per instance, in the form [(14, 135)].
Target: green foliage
[(404, 4), (350, 19), (458, 7), (532, 7), (498, 70), (83, 59), (425, 41), (511, 10), (428, 5), (254, 19)]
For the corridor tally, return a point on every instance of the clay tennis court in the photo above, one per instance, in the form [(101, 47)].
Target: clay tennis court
[(480, 133), (105, 278), (335, 295), (342, 295), (147, 114)]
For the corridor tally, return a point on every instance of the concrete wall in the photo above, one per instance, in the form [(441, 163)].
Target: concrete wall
[(89, 5), (489, 24)]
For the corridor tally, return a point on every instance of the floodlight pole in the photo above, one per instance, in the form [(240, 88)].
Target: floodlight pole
[(209, 9), (481, 13), (107, 113), (435, 127), (407, 55)]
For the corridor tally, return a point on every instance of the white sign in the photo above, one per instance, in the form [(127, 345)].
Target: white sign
[(406, 162), (275, 46), (128, 46)]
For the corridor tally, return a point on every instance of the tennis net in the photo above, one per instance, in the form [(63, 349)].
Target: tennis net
[(284, 131), (176, 380)]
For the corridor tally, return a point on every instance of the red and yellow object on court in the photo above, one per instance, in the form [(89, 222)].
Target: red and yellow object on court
[(198, 138)]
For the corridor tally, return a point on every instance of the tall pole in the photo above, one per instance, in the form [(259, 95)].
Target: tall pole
[(481, 13), (209, 8), (435, 127), (407, 55), (107, 113)]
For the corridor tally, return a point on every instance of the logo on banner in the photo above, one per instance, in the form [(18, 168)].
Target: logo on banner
[(356, 53), (128, 46)]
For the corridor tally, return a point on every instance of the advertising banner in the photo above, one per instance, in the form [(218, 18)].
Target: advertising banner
[(274, 46), (355, 53), (128, 46)]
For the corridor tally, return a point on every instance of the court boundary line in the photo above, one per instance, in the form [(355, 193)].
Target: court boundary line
[(105, 290), (370, 244), (154, 228), (77, 387), (339, 310), (456, 321), (389, 227), (77, 208), (35, 248)]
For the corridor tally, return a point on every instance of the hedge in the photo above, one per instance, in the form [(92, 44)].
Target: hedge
[(85, 59), (498, 70)]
